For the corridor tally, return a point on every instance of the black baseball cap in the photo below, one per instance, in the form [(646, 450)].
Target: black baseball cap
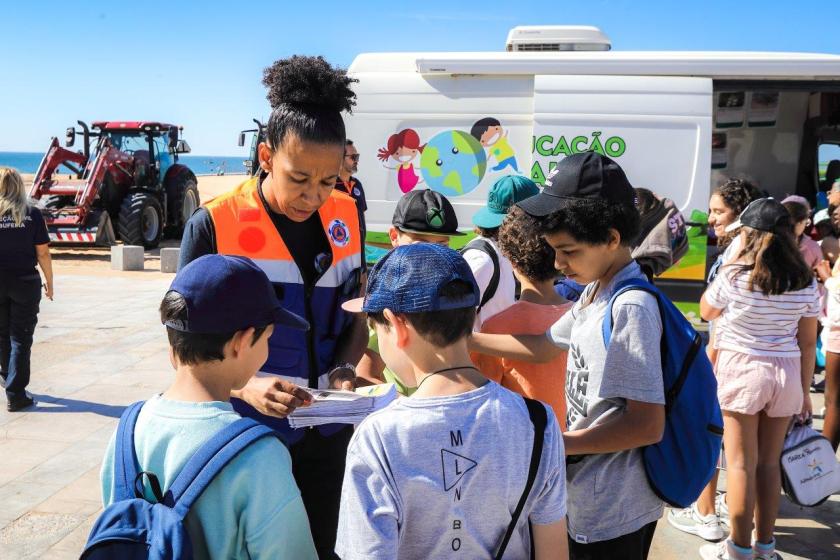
[(587, 175), (763, 214), (426, 212), (227, 293)]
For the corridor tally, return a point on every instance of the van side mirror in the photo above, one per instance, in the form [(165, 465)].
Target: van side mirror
[(241, 141), (173, 137), (181, 147), (70, 137)]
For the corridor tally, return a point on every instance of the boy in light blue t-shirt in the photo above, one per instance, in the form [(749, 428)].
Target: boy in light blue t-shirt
[(219, 314)]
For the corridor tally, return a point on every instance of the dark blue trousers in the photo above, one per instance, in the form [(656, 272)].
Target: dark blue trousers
[(20, 297)]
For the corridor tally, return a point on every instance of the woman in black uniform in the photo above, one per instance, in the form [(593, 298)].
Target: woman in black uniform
[(24, 242)]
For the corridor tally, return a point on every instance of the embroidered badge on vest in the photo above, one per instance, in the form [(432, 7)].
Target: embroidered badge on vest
[(339, 233)]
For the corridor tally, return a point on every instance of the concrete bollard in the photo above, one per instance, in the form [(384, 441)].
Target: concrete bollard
[(169, 259), (127, 257)]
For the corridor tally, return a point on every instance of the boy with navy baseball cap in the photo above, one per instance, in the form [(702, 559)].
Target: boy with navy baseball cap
[(441, 471), (219, 313)]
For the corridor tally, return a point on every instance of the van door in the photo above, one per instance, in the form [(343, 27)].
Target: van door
[(658, 129)]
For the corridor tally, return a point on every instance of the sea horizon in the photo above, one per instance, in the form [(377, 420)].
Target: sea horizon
[(28, 162)]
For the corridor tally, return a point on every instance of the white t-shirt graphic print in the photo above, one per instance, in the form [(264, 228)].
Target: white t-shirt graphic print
[(438, 477)]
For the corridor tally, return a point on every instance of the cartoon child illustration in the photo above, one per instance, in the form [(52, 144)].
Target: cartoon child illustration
[(493, 137), (404, 147)]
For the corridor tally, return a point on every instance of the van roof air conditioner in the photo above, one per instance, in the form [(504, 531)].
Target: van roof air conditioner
[(547, 38)]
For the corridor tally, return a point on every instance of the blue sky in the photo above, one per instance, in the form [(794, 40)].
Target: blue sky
[(200, 64)]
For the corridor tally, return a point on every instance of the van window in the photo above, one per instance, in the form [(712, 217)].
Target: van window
[(828, 153)]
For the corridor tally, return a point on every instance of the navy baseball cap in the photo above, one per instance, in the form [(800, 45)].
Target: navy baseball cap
[(227, 293), (409, 279), (586, 175)]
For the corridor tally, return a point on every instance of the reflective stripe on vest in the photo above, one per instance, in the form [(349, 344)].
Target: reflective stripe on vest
[(243, 227)]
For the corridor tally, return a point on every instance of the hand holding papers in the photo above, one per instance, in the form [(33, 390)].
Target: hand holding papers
[(342, 407)]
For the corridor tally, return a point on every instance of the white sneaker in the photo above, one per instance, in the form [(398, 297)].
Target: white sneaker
[(722, 551), (765, 552), (690, 521), (722, 509)]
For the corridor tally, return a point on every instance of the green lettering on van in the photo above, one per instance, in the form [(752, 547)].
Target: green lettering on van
[(596, 146), (616, 146), (576, 142), (537, 174), (541, 142), (562, 147)]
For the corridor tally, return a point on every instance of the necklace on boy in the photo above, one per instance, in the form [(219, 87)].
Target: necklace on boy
[(443, 371)]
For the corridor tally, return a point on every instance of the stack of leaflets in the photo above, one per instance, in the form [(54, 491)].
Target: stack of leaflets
[(342, 407)]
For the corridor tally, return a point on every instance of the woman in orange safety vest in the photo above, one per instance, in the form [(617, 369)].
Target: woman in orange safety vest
[(306, 237)]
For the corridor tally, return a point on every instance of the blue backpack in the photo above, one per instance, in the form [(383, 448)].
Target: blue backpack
[(682, 463), (134, 528)]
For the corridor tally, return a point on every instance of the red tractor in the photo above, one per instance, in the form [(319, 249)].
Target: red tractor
[(127, 180)]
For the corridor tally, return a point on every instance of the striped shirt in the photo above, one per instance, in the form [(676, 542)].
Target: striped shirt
[(755, 323)]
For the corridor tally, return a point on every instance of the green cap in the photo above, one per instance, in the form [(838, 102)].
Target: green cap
[(504, 193)]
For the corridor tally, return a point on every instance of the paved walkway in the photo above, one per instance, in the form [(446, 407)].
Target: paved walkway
[(99, 347)]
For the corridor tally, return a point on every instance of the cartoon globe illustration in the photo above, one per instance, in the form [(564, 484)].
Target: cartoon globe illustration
[(453, 163)]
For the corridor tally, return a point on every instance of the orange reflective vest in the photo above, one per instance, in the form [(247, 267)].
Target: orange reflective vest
[(244, 227)]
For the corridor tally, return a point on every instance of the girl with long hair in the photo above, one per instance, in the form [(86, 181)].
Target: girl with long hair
[(706, 517), (24, 243), (404, 147), (770, 302)]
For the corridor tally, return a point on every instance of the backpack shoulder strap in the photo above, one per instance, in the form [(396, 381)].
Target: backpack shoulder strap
[(626, 286), (485, 247), (539, 418), (125, 456), (209, 460)]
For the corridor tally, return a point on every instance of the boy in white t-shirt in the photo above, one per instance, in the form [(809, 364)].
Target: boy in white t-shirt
[(440, 473)]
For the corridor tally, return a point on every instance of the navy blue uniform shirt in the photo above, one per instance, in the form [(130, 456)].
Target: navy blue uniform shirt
[(355, 189), (17, 242)]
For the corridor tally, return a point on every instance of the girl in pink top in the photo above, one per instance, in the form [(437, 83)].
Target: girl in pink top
[(767, 342), (800, 213), (538, 308)]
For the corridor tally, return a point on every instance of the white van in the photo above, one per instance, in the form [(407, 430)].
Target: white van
[(677, 122)]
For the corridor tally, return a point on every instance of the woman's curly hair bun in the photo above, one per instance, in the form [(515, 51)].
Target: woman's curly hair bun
[(308, 80)]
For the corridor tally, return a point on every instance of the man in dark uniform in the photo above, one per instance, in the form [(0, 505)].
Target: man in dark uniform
[(351, 185)]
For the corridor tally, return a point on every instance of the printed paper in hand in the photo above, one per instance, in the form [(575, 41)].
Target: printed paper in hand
[(342, 407)]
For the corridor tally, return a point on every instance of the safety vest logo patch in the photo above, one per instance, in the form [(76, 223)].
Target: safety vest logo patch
[(339, 233)]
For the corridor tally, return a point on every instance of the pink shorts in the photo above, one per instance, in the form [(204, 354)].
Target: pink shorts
[(831, 339), (750, 384)]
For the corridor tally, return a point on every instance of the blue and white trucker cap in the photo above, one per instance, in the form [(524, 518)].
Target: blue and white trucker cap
[(410, 278)]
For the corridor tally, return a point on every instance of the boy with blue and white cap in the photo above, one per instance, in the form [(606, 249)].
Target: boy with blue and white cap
[(219, 313), (440, 472)]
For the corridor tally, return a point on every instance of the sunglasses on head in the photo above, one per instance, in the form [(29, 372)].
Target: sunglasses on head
[(354, 157)]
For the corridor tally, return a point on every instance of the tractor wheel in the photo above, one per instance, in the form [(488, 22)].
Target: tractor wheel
[(141, 220), (53, 202), (181, 201)]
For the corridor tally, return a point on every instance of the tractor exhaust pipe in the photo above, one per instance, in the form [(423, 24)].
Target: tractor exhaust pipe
[(86, 138)]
